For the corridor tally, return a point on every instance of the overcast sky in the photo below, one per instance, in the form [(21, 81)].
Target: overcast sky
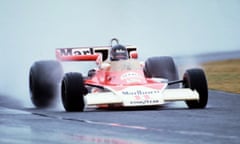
[(31, 29)]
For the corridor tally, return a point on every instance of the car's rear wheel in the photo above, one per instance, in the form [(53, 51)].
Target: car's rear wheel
[(73, 91), (161, 67), (195, 79), (44, 82)]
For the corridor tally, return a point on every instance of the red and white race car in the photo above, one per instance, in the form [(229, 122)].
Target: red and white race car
[(125, 83)]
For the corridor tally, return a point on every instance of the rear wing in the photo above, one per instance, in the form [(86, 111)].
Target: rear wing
[(86, 53)]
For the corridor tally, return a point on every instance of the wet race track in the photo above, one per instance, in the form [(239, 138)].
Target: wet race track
[(171, 123)]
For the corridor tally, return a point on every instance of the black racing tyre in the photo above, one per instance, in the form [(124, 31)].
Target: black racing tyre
[(44, 82), (161, 67), (196, 80), (73, 91)]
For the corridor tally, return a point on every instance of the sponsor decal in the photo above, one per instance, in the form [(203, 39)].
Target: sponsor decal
[(75, 51), (144, 102), (128, 75), (131, 77), (141, 92), (120, 51), (142, 97), (145, 99)]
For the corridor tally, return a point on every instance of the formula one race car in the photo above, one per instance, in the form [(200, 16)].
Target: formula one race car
[(119, 80)]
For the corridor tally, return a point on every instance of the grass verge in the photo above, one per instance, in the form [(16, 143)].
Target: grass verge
[(223, 75)]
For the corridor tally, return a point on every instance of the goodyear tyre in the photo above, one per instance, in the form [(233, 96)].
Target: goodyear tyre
[(161, 67), (195, 79), (73, 91), (44, 82)]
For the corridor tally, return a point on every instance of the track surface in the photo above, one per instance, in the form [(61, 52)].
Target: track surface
[(172, 123)]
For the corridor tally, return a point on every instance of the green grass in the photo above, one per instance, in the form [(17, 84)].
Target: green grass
[(223, 75)]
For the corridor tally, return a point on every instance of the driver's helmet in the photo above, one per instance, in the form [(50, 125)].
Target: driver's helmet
[(118, 52)]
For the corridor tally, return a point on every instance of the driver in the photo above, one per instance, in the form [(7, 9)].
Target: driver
[(118, 52)]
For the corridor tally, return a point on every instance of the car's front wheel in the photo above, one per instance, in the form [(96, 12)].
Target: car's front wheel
[(195, 79), (73, 91)]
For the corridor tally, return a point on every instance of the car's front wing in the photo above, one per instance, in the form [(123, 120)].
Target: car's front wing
[(144, 97)]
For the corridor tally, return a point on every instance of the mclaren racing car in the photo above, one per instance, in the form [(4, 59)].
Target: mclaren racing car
[(119, 79)]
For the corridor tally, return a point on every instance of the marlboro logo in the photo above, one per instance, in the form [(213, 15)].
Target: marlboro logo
[(75, 51)]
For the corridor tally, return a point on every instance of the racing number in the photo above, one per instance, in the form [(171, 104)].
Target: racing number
[(144, 97)]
